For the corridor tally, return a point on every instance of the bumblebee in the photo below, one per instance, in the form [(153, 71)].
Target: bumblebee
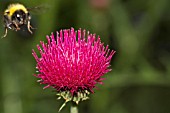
[(15, 16)]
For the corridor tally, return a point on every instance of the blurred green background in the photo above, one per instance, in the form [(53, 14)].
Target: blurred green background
[(139, 30)]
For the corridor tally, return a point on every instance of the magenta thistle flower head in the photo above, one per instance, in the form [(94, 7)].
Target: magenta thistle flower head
[(72, 63)]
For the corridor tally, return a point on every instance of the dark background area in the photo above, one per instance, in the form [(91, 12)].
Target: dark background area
[(139, 30)]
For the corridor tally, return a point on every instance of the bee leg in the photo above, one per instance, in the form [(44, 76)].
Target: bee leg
[(5, 33), (29, 26), (32, 27), (16, 27)]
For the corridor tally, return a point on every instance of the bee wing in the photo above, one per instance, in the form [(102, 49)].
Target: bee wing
[(39, 9), (1, 18)]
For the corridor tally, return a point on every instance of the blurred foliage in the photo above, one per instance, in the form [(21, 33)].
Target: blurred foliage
[(138, 30)]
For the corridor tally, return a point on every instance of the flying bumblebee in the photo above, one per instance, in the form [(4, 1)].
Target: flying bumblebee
[(15, 16)]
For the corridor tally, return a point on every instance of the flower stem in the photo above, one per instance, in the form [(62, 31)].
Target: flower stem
[(74, 108)]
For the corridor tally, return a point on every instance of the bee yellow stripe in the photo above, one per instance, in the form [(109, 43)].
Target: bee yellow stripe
[(14, 7)]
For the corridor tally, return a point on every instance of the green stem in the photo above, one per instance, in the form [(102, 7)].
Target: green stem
[(74, 108)]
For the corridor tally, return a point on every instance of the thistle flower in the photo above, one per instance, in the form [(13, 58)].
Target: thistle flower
[(72, 63)]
